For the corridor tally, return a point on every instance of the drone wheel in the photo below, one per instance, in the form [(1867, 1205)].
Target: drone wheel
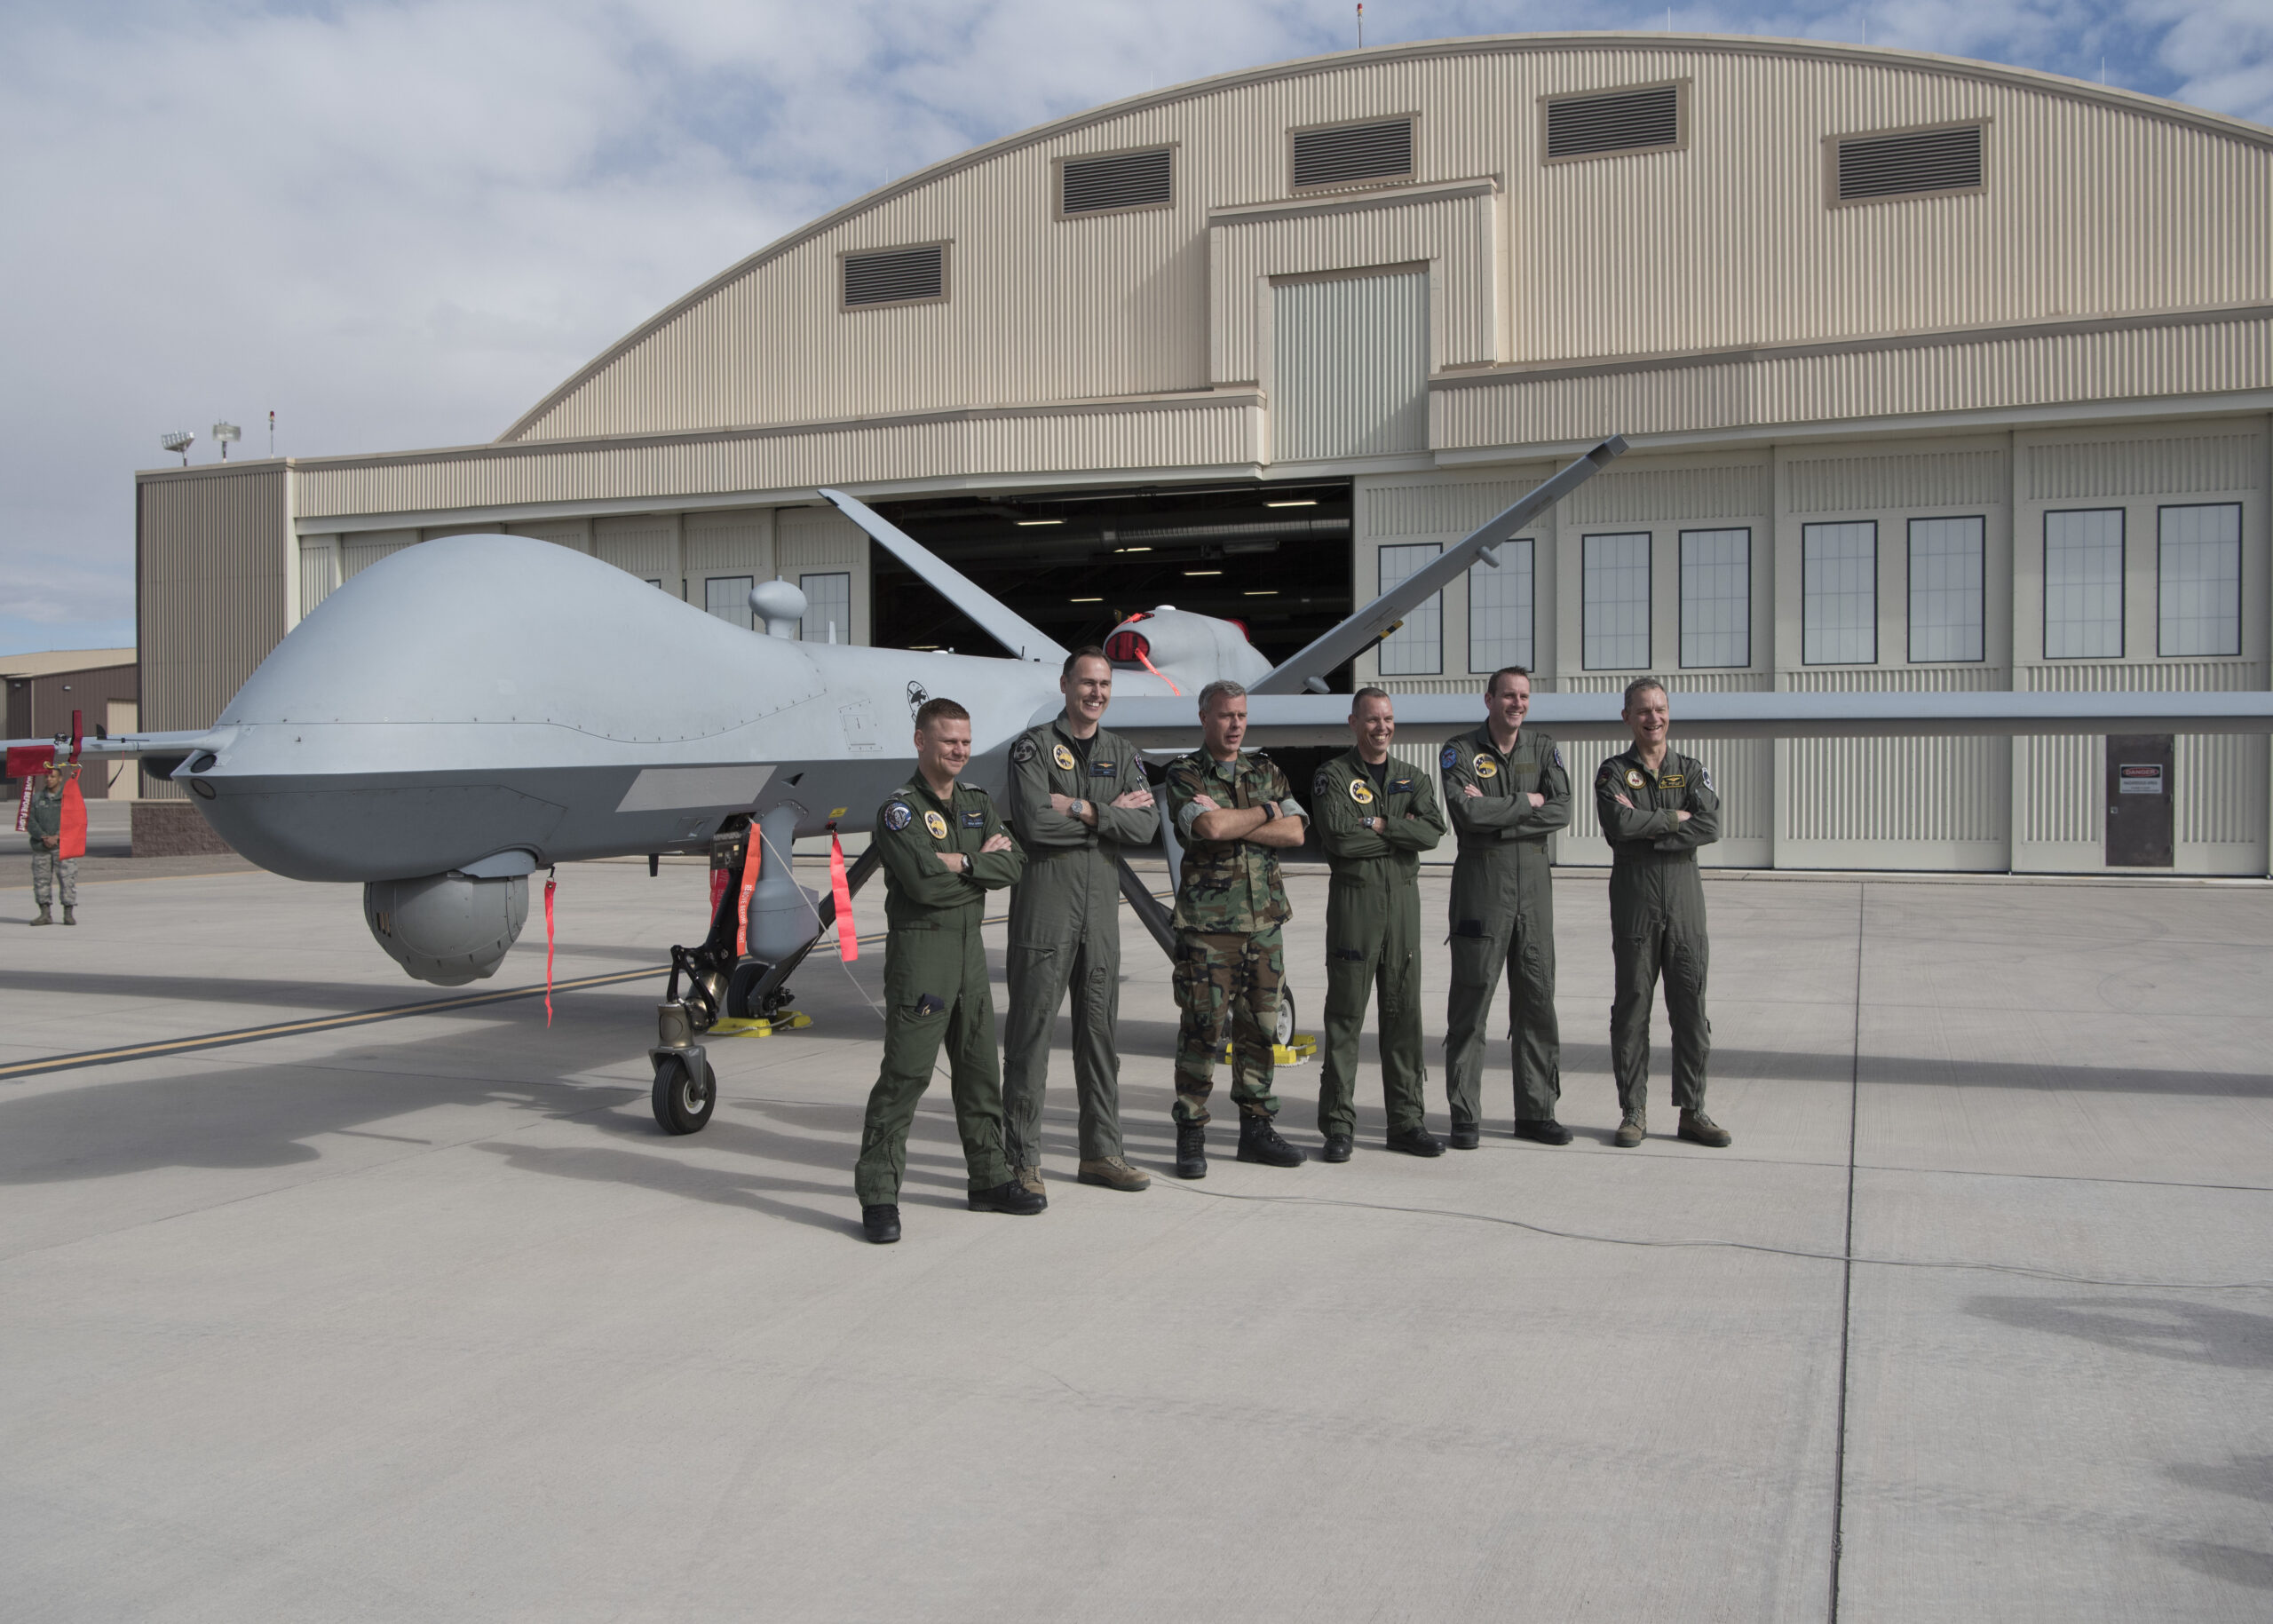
[(686, 1094)]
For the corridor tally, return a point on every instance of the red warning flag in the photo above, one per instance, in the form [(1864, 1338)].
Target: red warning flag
[(753, 863), (74, 817), (848, 939)]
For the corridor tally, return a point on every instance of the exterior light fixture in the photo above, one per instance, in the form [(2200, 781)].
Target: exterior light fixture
[(1085, 601), (1308, 502), (179, 439), (1271, 592), (224, 435), (1030, 524), (1203, 571), (1132, 549)]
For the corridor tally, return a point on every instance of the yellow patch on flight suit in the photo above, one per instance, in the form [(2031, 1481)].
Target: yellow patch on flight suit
[(1673, 781), (1485, 767), (935, 824), (1063, 757), (1633, 778), (1361, 792)]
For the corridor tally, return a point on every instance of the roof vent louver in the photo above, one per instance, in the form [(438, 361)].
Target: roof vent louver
[(897, 276), (1347, 152), (1120, 180), (1624, 121), (1918, 161)]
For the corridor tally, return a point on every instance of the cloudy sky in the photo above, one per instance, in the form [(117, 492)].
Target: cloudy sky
[(399, 225)]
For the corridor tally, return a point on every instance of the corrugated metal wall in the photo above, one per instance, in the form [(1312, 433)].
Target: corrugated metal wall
[(1349, 367), (2096, 201), (211, 547)]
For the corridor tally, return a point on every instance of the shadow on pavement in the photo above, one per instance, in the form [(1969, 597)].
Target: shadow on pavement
[(2195, 1332)]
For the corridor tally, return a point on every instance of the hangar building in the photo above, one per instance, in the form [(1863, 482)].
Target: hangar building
[(1940, 376)]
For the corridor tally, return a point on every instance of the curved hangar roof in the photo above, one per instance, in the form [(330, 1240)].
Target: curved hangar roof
[(1631, 233)]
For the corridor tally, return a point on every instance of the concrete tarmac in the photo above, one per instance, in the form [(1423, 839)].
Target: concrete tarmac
[(421, 1317)]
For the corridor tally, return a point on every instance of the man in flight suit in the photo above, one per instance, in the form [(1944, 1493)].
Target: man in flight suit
[(1235, 814), (1506, 792), (1657, 807), (943, 849), (1374, 818), (1077, 796)]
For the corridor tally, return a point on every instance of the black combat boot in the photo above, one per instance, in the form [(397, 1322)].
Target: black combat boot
[(1191, 1150), (1259, 1141), (882, 1222), (1010, 1196), (1543, 1129), (1415, 1142), (1338, 1147)]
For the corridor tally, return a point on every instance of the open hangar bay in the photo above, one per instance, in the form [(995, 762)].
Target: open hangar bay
[(423, 1317)]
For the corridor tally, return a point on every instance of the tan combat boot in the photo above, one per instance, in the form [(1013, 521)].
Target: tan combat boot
[(69, 917), (1633, 1129), (1114, 1173), (43, 919), (1698, 1128), (1030, 1181)]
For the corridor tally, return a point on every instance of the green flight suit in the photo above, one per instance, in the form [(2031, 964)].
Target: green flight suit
[(1502, 915), (1231, 961), (1373, 931), (1656, 916), (936, 986), (1066, 930)]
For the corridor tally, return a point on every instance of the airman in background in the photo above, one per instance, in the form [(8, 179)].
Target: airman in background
[(1506, 792), (943, 849), (1078, 795), (1235, 813), (1375, 816), (52, 871), (1657, 807)]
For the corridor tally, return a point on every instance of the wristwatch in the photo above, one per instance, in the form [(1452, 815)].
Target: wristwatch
[(1074, 811)]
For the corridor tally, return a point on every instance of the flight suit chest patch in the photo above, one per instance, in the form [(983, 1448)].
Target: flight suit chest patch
[(1103, 769), (974, 820), (1673, 781), (1400, 786), (1063, 757), (935, 825)]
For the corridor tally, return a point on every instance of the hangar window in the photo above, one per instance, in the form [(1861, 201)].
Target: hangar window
[(727, 596), (1946, 578), (1616, 593), (1417, 647), (1715, 598), (828, 608), (1908, 164), (896, 276), (1341, 154), (1839, 594), (2083, 584), (1117, 180), (2200, 567), (1648, 119), (1500, 609)]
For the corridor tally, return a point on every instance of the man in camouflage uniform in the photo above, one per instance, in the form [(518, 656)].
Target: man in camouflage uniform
[(1657, 807), (1376, 817), (1077, 796), (1235, 814), (943, 849), (52, 871), (1506, 792)]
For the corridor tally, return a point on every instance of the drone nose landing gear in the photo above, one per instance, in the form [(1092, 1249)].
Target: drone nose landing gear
[(686, 1090)]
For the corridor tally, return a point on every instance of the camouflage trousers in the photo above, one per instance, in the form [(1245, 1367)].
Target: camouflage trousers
[(51, 873), (1226, 979)]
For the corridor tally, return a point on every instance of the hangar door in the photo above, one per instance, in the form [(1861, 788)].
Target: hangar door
[(1350, 365)]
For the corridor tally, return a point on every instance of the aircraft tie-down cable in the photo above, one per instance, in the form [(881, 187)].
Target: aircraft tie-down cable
[(1708, 1243)]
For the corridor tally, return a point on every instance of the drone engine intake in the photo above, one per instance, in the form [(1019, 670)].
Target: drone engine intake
[(448, 928)]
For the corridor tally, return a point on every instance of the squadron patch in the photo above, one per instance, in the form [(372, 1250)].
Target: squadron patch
[(1320, 785), (1451, 757), (1023, 751), (1633, 778), (1706, 779), (1672, 781), (1556, 753), (897, 817), (1361, 792), (1485, 767), (1063, 757), (935, 824)]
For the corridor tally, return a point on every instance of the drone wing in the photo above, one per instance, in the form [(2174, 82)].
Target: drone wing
[(998, 619)]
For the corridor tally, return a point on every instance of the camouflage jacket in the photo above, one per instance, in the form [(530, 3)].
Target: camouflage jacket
[(1230, 887)]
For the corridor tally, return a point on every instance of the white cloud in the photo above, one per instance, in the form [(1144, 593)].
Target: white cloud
[(402, 224)]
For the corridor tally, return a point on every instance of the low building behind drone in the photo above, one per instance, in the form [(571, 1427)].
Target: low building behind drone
[(1939, 376)]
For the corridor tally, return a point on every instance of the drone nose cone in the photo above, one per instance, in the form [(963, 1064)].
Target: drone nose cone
[(503, 627)]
